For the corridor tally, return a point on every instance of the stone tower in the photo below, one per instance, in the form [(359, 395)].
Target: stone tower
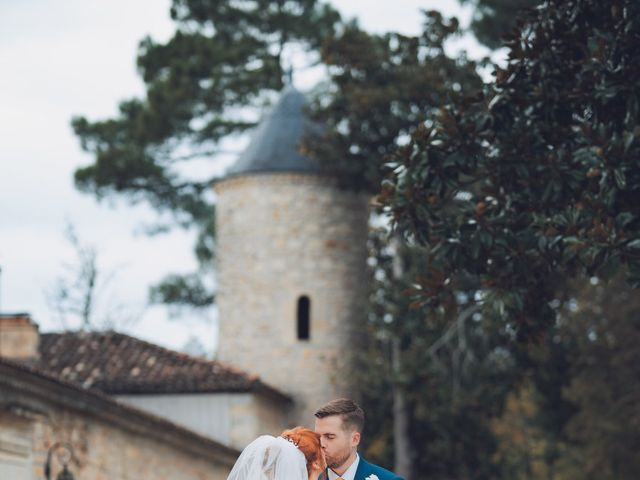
[(291, 264)]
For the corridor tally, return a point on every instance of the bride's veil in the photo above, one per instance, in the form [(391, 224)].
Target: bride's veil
[(270, 458)]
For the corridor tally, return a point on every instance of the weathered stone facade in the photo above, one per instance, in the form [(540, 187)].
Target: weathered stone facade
[(109, 441), (282, 236)]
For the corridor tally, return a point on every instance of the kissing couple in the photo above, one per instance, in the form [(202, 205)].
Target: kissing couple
[(328, 453)]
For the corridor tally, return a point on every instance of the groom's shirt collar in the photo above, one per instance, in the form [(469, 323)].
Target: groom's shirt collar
[(350, 474)]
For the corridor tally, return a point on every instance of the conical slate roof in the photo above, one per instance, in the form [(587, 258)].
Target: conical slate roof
[(275, 144)]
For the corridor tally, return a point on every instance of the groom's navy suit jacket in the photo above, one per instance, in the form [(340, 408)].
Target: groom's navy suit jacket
[(366, 469)]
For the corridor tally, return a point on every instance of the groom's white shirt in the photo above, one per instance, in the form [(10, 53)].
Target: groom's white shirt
[(350, 474)]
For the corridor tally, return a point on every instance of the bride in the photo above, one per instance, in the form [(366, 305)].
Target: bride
[(294, 455)]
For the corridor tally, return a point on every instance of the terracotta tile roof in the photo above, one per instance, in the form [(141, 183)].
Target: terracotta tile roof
[(105, 406), (114, 363)]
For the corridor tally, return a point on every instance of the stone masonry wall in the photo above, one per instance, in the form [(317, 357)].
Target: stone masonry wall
[(103, 452), (252, 416), (109, 441), (281, 236)]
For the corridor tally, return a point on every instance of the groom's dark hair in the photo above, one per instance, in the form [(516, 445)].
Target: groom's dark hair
[(350, 412)]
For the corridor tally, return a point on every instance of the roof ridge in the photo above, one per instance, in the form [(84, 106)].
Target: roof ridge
[(117, 363), (176, 353)]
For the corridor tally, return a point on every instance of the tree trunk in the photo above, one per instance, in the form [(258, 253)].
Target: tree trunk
[(401, 445)]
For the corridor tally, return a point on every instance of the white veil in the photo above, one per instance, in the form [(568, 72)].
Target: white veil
[(270, 458)]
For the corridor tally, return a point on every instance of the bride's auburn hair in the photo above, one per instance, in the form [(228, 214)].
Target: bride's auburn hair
[(308, 442)]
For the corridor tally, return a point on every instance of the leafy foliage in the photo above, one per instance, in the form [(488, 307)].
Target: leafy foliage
[(182, 290), (537, 179), (455, 373), (604, 327), (381, 87), (493, 19)]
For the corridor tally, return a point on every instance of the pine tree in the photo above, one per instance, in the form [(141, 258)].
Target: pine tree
[(204, 85)]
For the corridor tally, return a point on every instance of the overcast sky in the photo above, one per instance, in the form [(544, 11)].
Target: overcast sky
[(77, 57)]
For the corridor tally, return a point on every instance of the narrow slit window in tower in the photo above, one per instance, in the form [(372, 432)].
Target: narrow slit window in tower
[(304, 317)]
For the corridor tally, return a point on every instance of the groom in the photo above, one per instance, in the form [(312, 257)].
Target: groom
[(339, 424)]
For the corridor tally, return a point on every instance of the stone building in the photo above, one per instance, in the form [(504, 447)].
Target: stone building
[(291, 252), (210, 398), (43, 404)]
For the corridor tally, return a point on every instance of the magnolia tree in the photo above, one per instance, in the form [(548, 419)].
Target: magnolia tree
[(537, 179)]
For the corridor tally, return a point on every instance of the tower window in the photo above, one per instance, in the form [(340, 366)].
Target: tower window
[(304, 317)]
